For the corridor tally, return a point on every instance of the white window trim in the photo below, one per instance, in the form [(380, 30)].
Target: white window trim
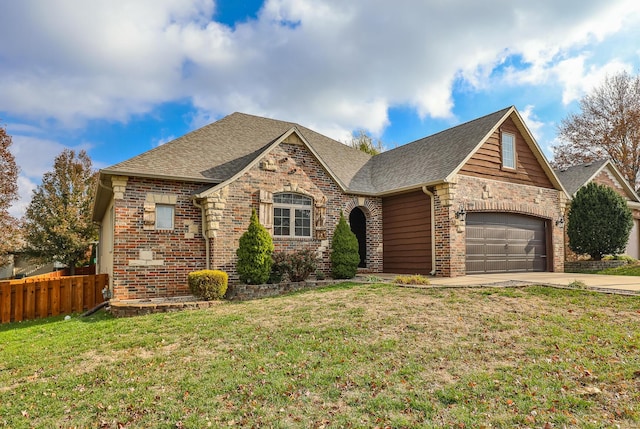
[(292, 208), (173, 215), (513, 150)]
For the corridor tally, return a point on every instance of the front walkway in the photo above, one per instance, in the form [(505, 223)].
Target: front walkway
[(597, 281)]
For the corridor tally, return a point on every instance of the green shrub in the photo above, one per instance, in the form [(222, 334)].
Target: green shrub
[(208, 284), (344, 251), (278, 267), (319, 275), (415, 279), (599, 222), (300, 264), (254, 253), (628, 259), (296, 266)]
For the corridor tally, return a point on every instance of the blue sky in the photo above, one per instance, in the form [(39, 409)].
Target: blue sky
[(117, 78)]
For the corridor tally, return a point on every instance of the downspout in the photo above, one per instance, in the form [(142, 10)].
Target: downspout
[(433, 229), (204, 234)]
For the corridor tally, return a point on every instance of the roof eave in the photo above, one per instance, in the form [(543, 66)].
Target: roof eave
[(408, 188), (201, 179)]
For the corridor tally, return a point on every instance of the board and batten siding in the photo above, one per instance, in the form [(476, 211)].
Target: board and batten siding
[(486, 162), (406, 221)]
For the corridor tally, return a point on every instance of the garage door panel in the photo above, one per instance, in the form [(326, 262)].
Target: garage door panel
[(501, 242)]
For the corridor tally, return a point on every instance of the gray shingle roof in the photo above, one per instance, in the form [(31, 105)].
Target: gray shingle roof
[(216, 152), (427, 160), (573, 178)]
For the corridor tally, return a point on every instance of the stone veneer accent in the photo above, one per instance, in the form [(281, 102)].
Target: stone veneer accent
[(485, 195), (242, 292), (577, 266)]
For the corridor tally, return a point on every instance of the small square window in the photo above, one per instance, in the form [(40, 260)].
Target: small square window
[(508, 143), (164, 216)]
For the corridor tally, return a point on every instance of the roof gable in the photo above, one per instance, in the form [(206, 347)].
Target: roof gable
[(486, 161), (576, 176), (431, 159), (439, 157), (292, 136)]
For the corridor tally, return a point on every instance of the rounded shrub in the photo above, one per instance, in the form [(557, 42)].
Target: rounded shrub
[(300, 264), (599, 222), (254, 253), (208, 284), (344, 251)]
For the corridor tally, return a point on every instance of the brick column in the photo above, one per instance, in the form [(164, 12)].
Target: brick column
[(449, 234)]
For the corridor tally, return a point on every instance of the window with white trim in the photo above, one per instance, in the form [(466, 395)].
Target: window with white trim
[(508, 143), (291, 215), (164, 216)]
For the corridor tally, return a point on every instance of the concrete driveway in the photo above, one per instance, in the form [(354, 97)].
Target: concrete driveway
[(597, 281)]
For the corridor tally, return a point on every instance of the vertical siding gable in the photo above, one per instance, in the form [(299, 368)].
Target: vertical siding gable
[(487, 161)]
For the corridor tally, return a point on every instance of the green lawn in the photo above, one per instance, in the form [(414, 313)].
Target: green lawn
[(345, 356)]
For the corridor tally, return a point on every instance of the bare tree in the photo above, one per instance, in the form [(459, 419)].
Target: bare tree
[(9, 230), (362, 141), (607, 126), (58, 225)]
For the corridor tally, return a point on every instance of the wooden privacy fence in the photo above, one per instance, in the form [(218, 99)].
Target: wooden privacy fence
[(37, 298)]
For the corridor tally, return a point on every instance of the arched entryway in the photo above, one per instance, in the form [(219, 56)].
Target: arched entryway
[(358, 222)]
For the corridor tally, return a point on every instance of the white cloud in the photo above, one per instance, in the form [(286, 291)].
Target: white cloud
[(330, 64), (162, 140), (532, 121), (25, 190), (578, 79)]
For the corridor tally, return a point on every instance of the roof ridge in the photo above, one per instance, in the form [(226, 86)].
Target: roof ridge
[(447, 130)]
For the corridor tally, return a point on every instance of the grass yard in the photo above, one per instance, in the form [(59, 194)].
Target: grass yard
[(345, 356)]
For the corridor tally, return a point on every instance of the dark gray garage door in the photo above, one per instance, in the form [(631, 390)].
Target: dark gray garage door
[(501, 242)]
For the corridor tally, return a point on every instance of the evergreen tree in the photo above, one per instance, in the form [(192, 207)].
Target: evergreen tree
[(8, 195), (58, 225), (344, 251), (599, 222), (254, 253)]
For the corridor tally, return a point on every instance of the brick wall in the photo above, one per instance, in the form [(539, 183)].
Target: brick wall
[(607, 179), (155, 263), (476, 194), (292, 168), (150, 263)]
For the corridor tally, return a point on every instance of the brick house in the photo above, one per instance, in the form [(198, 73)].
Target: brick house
[(603, 172), (479, 197)]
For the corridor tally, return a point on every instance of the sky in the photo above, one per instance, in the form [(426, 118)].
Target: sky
[(119, 77)]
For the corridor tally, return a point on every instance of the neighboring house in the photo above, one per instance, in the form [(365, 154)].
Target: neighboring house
[(479, 197), (605, 173)]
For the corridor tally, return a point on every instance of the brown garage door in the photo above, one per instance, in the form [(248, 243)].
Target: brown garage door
[(502, 242)]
